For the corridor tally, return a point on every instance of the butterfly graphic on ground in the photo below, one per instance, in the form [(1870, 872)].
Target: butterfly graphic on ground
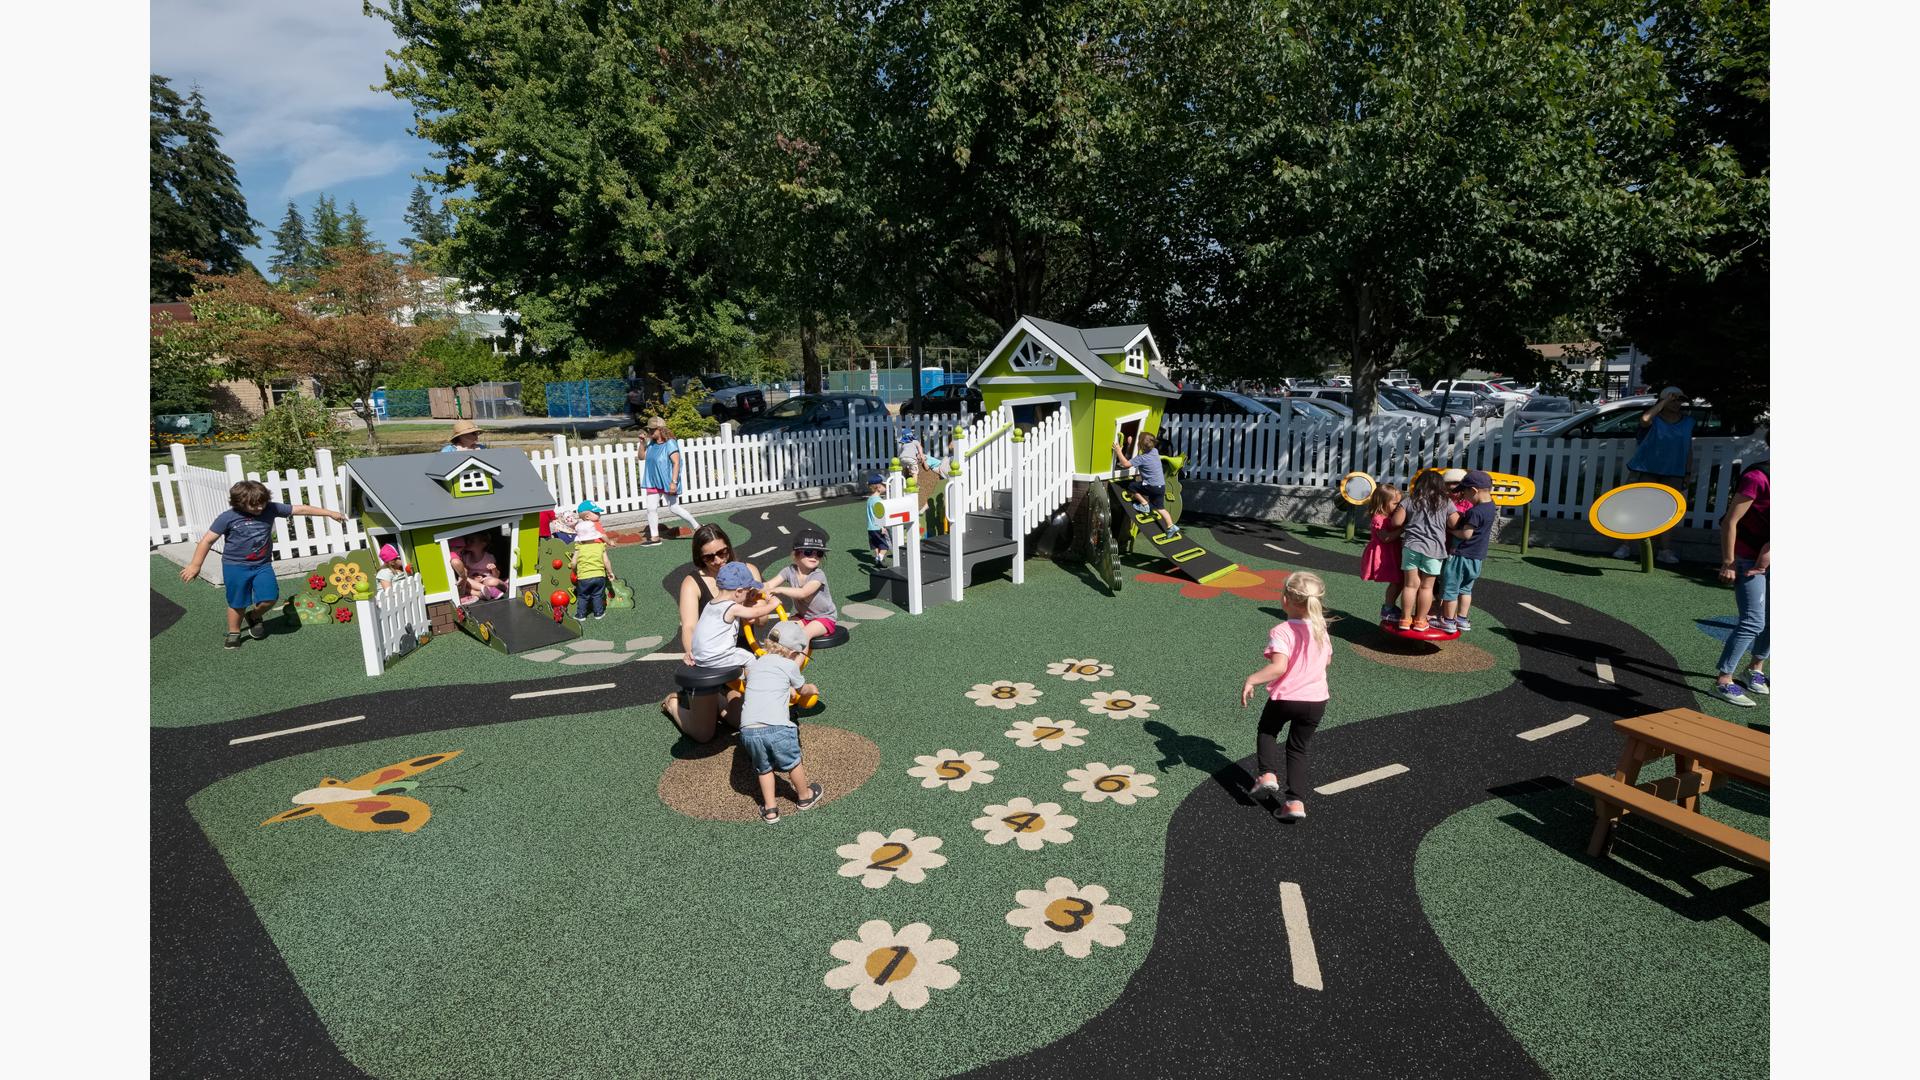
[(371, 802)]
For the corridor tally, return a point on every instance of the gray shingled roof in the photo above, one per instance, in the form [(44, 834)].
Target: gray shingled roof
[(1111, 339), (408, 486)]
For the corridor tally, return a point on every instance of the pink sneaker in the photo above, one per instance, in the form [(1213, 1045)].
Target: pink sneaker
[(1294, 810)]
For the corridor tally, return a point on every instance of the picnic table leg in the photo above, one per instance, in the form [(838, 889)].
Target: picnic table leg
[(1682, 765), (1605, 814)]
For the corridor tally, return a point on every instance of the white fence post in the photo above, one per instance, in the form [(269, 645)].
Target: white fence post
[(366, 612), (956, 503), (1018, 507)]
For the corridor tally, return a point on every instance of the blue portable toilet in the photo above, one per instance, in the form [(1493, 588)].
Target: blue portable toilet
[(931, 377)]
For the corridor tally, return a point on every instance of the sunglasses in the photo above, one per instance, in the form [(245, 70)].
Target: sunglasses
[(723, 553), (816, 553)]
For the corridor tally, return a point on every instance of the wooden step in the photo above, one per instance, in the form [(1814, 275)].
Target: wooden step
[(1610, 792)]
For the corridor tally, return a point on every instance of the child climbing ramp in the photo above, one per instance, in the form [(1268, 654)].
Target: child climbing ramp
[(1189, 558)]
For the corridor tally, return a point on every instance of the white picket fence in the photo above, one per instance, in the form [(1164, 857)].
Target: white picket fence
[(1269, 451), (391, 623)]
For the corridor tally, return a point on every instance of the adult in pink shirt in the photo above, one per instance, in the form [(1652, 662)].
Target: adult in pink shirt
[(1295, 675), (1745, 557)]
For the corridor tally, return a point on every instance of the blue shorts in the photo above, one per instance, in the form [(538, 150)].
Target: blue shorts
[(1156, 496), (877, 540), (1457, 578), (250, 584), (775, 746)]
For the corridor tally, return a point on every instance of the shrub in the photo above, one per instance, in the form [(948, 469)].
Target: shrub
[(683, 413), (286, 437)]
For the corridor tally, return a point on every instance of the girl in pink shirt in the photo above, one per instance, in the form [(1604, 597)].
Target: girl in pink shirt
[(1295, 674)]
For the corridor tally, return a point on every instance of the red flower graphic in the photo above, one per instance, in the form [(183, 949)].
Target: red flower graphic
[(343, 614), (316, 582), (1242, 582)]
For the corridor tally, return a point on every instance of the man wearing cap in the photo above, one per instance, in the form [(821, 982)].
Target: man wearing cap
[(1664, 456), (466, 436), (1471, 531), (804, 583), (661, 479)]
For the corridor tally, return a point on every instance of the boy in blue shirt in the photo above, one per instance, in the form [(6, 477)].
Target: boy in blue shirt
[(877, 538), (246, 562), (1472, 530), (1149, 488)]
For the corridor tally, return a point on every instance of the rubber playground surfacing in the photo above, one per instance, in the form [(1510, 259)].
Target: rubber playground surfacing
[(558, 916)]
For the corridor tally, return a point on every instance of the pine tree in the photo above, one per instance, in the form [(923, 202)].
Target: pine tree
[(197, 213), (359, 236), (292, 252), (328, 230), (429, 226)]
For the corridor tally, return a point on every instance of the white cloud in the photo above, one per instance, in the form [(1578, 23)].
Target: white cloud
[(289, 82)]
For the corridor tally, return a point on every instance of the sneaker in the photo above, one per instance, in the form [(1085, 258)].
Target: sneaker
[(1443, 624), (1173, 533), (1667, 558), (1623, 552), (1463, 624), (1757, 682), (233, 641), (599, 614), (1294, 810), (655, 542), (814, 792), (769, 814), (256, 627), (1732, 694), (1261, 789), (1388, 614)]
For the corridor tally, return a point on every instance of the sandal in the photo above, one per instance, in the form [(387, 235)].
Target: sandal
[(769, 814), (814, 794)]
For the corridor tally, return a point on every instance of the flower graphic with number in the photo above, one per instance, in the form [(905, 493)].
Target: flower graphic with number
[(1046, 734), (881, 964), (1081, 670), (1002, 694), (1123, 784), (1030, 826), (901, 854), (1069, 915), (1119, 704), (953, 770)]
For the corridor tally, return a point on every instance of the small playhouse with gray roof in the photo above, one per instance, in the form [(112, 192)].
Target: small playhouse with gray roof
[(423, 503)]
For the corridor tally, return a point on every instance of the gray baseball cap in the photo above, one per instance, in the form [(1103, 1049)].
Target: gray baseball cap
[(790, 635)]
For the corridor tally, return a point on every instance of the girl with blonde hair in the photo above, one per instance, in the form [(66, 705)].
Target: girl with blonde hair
[(1295, 675)]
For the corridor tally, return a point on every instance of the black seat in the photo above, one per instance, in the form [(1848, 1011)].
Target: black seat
[(704, 680), (838, 637)]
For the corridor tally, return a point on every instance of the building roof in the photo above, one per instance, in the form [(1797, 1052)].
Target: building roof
[(1081, 347), (408, 487)]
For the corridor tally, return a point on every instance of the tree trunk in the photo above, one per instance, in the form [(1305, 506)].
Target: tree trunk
[(809, 354)]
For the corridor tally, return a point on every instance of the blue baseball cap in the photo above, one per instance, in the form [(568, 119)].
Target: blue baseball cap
[(907, 435), (587, 507), (876, 478), (734, 575)]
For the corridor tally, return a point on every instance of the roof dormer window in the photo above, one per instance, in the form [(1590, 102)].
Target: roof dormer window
[(474, 482), (1136, 359)]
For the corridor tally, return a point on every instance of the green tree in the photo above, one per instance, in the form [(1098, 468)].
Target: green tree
[(180, 373), (358, 235), (329, 231), (429, 226), (197, 213), (291, 249)]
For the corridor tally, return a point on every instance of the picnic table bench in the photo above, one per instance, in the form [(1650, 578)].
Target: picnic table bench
[(1705, 749)]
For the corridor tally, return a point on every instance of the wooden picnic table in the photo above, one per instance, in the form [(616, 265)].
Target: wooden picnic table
[(1705, 749)]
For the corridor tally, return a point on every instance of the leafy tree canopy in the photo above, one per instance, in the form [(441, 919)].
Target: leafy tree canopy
[(197, 213)]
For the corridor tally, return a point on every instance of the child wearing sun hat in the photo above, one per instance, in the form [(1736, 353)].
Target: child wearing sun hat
[(392, 567)]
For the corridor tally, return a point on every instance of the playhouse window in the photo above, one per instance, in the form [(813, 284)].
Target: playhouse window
[(1137, 358), (474, 480), (1030, 355)]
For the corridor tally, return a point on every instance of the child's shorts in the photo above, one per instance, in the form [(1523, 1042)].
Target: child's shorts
[(563, 537), (877, 540), (1458, 577), (250, 585), (1156, 496), (772, 746), (734, 657), (827, 624), (1413, 560)]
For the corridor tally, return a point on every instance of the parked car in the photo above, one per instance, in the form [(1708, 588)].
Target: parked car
[(1485, 388), (948, 400), (1462, 403), (1383, 404), (727, 397), (1303, 408), (1621, 420), (814, 412), (1542, 407), (1217, 403)]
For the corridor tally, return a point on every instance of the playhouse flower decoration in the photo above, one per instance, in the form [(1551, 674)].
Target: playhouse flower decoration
[(317, 581), (1119, 704), (346, 577), (1046, 734), (1029, 825), (879, 964), (1071, 916), (343, 614), (1002, 694), (1123, 784), (1081, 670), (1244, 583), (900, 855), (953, 770)]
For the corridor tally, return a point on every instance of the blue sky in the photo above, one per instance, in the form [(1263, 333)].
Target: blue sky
[(288, 84)]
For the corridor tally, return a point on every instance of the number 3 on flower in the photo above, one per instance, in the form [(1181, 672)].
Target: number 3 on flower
[(1074, 917)]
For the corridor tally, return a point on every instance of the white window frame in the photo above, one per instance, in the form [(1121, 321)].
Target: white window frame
[(1136, 363), (474, 481), (1030, 355)]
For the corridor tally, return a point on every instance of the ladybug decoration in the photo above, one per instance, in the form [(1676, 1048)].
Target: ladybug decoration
[(558, 599), (559, 614)]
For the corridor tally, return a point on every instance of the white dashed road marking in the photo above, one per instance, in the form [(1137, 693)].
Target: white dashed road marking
[(763, 515), (1281, 550), (1293, 911), (1368, 777), (784, 531), (563, 690), (665, 656), (1548, 614), (293, 730), (763, 551), (1603, 667), (1554, 728)]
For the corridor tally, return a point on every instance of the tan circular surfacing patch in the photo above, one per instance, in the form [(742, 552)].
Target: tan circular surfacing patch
[(1439, 657), (719, 784)]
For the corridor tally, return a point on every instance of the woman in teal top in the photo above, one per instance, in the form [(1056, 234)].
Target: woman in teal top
[(662, 479)]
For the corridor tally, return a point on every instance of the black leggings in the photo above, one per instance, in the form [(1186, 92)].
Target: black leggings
[(1305, 720)]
